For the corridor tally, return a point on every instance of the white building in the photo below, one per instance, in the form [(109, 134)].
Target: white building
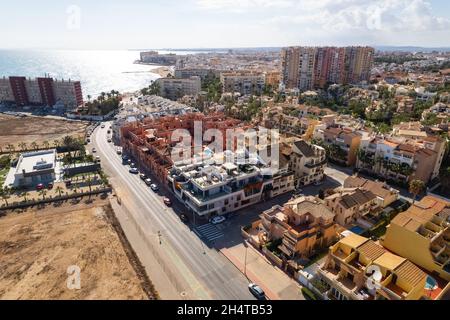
[(34, 168), (174, 89), (308, 163), (214, 188)]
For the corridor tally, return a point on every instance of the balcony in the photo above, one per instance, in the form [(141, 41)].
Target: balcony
[(313, 164)]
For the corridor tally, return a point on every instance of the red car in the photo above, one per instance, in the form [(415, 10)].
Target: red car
[(40, 186)]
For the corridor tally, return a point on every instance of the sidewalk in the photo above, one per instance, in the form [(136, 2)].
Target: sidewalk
[(275, 283)]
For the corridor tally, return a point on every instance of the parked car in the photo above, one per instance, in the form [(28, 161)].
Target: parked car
[(50, 186), (257, 291), (103, 126), (184, 218), (143, 176), (148, 181), (134, 171), (40, 186), (154, 187), (94, 150), (217, 220), (97, 158), (109, 140), (68, 183), (167, 202)]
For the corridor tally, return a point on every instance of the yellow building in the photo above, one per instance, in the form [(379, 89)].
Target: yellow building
[(422, 235), (347, 272)]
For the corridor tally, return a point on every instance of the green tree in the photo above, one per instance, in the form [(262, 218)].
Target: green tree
[(416, 187)]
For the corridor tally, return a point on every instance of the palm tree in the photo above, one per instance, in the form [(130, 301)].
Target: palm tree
[(5, 197), (25, 196), (23, 146), (46, 145), (59, 190), (34, 145), (10, 147), (89, 97), (416, 187), (43, 193)]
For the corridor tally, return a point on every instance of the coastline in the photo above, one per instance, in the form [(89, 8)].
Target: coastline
[(164, 72)]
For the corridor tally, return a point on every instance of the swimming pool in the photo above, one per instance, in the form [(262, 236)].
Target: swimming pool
[(357, 229), (431, 284)]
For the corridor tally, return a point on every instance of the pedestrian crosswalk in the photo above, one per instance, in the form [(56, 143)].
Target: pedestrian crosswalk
[(209, 231)]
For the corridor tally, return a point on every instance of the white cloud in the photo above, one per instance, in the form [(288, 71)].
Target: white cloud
[(340, 15)]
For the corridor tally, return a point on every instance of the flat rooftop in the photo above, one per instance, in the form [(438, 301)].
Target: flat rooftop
[(36, 161)]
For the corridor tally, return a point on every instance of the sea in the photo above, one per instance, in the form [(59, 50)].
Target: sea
[(98, 70)]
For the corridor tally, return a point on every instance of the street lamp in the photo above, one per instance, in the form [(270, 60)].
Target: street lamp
[(245, 259)]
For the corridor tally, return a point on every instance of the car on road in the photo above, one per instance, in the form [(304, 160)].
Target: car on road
[(134, 171), (148, 181), (103, 126), (217, 220), (50, 186), (68, 183), (184, 218), (109, 140), (143, 176), (257, 291), (167, 202), (154, 187), (94, 150), (97, 159), (40, 186)]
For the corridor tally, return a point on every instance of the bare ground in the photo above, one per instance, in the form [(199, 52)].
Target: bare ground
[(15, 130), (37, 247)]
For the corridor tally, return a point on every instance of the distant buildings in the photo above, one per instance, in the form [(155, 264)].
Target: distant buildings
[(154, 57), (307, 68), (174, 89), (244, 82), (41, 91), (203, 73)]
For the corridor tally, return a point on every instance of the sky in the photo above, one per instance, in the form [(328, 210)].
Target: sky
[(142, 24)]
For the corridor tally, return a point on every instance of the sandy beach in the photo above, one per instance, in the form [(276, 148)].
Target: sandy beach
[(164, 72)]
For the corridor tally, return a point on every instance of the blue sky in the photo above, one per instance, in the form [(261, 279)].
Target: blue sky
[(114, 24)]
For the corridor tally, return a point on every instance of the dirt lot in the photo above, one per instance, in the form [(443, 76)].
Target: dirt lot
[(37, 247), (15, 130)]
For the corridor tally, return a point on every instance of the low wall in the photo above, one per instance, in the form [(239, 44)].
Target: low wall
[(273, 258)]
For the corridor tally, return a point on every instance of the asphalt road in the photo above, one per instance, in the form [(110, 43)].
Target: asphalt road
[(206, 271)]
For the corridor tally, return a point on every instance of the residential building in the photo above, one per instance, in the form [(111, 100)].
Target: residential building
[(174, 89), (349, 205), (308, 163), (422, 235), (203, 73), (343, 145), (350, 263), (400, 159), (307, 68), (272, 78), (244, 82), (302, 226), (384, 193), (34, 168), (215, 187), (149, 141), (41, 91)]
